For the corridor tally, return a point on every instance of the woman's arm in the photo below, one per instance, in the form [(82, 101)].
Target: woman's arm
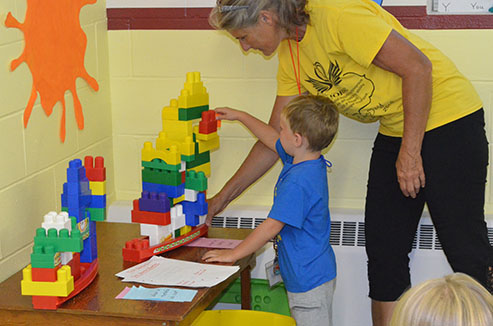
[(401, 57), (259, 160), (267, 230)]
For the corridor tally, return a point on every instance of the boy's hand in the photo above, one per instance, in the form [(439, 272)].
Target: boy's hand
[(226, 113), (219, 256)]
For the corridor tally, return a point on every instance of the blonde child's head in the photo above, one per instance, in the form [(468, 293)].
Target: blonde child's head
[(453, 300), (313, 117)]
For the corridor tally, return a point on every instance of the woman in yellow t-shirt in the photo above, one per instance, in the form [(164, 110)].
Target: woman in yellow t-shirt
[(431, 146)]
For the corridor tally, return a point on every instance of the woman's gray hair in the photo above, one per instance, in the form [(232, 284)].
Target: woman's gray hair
[(237, 14)]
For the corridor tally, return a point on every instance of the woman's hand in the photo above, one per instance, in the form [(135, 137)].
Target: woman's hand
[(219, 256), (216, 205), (225, 113), (410, 173)]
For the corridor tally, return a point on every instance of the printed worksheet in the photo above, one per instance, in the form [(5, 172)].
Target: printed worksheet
[(172, 272)]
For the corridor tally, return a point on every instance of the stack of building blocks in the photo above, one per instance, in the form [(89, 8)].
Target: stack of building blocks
[(172, 207), (64, 258)]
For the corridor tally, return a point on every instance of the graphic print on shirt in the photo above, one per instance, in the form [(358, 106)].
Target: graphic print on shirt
[(351, 92)]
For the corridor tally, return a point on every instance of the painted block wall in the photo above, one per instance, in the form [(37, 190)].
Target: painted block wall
[(33, 161), (148, 69)]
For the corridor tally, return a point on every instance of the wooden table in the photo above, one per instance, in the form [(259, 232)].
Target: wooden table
[(96, 305)]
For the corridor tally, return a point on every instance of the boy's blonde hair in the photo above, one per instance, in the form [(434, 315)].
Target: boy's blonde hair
[(453, 300), (238, 14), (314, 117)]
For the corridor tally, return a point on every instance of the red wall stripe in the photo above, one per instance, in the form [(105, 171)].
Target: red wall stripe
[(413, 17)]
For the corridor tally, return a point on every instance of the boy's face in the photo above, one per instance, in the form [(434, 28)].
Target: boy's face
[(287, 137)]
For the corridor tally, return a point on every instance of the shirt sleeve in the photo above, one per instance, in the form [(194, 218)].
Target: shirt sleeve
[(285, 157), (362, 32)]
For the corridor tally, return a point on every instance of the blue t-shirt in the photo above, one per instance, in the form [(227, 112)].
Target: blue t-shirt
[(301, 201)]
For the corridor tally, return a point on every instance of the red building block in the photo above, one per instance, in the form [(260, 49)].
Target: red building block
[(145, 217), (208, 124), (75, 265), (95, 172), (45, 274), (42, 302)]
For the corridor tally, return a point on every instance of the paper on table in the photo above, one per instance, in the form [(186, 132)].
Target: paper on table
[(173, 272), (214, 243), (157, 294)]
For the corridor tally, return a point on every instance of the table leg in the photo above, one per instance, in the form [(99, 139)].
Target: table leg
[(246, 303)]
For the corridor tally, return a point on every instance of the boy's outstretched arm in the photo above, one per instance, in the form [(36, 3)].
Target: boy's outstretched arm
[(264, 132), (267, 230)]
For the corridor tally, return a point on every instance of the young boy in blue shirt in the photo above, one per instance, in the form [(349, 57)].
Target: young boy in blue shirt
[(299, 218)]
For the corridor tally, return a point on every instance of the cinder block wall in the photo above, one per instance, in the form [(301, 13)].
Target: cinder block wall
[(33, 160), (148, 69)]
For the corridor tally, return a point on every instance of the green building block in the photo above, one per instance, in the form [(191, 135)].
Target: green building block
[(161, 165), (97, 214), (187, 158), (45, 257), (61, 241), (263, 297), (164, 177), (200, 158), (195, 180), (192, 113)]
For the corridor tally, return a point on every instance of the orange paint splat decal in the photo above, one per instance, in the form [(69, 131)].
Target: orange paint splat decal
[(54, 51)]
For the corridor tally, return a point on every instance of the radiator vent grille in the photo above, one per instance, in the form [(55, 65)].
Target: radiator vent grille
[(344, 233)]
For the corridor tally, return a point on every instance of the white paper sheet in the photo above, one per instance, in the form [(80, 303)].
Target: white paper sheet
[(172, 272)]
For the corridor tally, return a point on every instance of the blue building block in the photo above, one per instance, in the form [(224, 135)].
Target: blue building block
[(171, 191), (77, 188), (90, 251), (193, 210), (75, 171), (98, 201), (154, 202)]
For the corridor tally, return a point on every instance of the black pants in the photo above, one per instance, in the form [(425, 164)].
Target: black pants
[(455, 160)]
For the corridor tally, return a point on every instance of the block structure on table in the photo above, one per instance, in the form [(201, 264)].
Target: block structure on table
[(64, 257), (175, 170)]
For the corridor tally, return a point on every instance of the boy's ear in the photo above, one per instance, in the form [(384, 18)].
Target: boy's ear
[(298, 139)]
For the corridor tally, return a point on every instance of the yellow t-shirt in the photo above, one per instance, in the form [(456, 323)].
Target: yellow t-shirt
[(336, 53)]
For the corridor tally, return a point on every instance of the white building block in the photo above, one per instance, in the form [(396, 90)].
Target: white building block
[(191, 195), (52, 220), (177, 217), (202, 219), (66, 257), (156, 233)]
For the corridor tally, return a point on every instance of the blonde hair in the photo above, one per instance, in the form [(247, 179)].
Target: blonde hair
[(314, 117), (453, 300), (238, 14)]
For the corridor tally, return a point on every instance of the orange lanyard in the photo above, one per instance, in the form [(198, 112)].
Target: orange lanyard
[(297, 76)]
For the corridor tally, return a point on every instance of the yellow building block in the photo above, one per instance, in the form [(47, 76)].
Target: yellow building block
[(171, 112), (208, 145), (200, 136), (185, 147), (163, 142), (188, 146), (98, 187), (63, 286), (177, 129), (206, 168), (170, 156), (193, 93), (185, 229), (177, 200)]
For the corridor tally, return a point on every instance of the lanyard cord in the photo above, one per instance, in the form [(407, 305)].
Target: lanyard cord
[(297, 76)]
